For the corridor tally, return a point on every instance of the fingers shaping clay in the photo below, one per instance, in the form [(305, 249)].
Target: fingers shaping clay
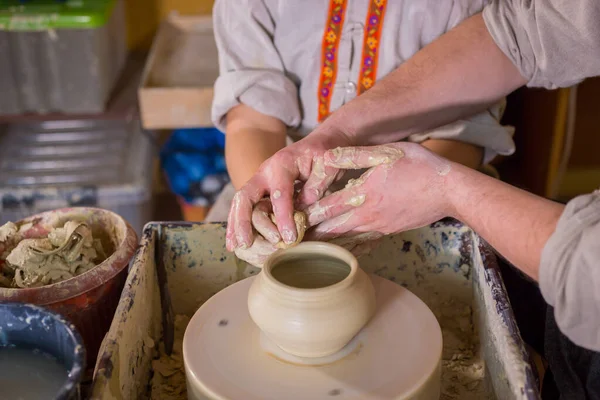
[(301, 221), (261, 249)]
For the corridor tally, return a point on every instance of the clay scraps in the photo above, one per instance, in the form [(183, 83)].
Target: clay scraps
[(66, 252), (168, 381)]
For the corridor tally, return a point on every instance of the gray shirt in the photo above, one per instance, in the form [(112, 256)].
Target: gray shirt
[(556, 43), (570, 271), (270, 58)]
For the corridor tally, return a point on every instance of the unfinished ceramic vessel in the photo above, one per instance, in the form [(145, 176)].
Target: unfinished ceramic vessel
[(312, 299)]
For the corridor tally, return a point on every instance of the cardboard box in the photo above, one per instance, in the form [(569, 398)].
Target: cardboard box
[(176, 90)]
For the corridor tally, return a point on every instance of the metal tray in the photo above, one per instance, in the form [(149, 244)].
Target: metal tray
[(446, 264)]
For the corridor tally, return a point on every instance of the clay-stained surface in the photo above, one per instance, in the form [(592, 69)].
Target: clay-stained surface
[(124, 365), (503, 356), (483, 356), (435, 265)]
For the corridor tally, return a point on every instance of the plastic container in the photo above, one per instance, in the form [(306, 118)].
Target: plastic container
[(60, 56), (71, 163), (30, 327), (88, 300)]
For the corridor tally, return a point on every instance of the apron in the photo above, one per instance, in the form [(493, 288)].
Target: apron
[(574, 372)]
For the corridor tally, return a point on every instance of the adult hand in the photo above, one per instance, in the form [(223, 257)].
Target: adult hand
[(277, 179), (262, 248), (405, 188)]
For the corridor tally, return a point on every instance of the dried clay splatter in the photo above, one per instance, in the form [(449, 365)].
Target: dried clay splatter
[(168, 381), (66, 252), (462, 365)]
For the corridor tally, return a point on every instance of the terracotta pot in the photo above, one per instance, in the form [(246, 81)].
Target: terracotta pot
[(312, 299), (88, 300)]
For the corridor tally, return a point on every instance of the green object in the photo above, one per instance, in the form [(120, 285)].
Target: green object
[(38, 15)]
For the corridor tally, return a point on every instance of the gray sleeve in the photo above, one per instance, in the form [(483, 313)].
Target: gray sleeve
[(553, 43), (570, 271), (483, 129), (251, 71)]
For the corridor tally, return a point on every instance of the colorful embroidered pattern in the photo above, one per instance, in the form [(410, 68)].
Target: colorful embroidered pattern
[(331, 40), (373, 27)]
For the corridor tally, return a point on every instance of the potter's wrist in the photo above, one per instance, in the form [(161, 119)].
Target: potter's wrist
[(330, 138), (335, 132), (457, 191)]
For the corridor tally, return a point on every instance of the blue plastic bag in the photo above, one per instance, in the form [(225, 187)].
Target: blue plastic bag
[(192, 155)]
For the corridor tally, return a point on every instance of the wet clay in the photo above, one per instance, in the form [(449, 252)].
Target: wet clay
[(396, 355), (7, 230), (168, 382), (312, 299), (301, 224), (261, 249), (66, 252)]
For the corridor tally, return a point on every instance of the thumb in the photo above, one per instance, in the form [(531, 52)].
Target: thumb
[(362, 157)]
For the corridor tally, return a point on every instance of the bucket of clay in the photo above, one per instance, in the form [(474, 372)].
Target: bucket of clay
[(88, 300), (41, 354)]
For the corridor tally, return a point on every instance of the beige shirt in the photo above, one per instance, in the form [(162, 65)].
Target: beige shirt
[(556, 43), (270, 59)]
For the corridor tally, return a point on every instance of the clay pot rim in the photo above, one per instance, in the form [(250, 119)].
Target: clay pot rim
[(97, 276), (322, 248)]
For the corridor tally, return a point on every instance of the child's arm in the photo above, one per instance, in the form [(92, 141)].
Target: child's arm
[(460, 152), (251, 138)]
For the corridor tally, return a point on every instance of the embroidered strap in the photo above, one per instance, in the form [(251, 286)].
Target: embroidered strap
[(331, 41), (373, 27), (329, 56)]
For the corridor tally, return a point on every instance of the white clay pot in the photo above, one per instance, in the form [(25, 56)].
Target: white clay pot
[(311, 299)]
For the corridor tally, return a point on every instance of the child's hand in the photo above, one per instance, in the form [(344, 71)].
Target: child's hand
[(276, 179), (265, 227)]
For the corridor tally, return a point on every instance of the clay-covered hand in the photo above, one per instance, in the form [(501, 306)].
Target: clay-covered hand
[(264, 221), (258, 253), (276, 179), (404, 188), (266, 241)]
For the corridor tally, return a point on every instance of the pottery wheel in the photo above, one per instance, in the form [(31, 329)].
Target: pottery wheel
[(397, 355)]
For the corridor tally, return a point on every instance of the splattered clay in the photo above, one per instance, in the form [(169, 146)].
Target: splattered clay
[(439, 264), (463, 368)]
